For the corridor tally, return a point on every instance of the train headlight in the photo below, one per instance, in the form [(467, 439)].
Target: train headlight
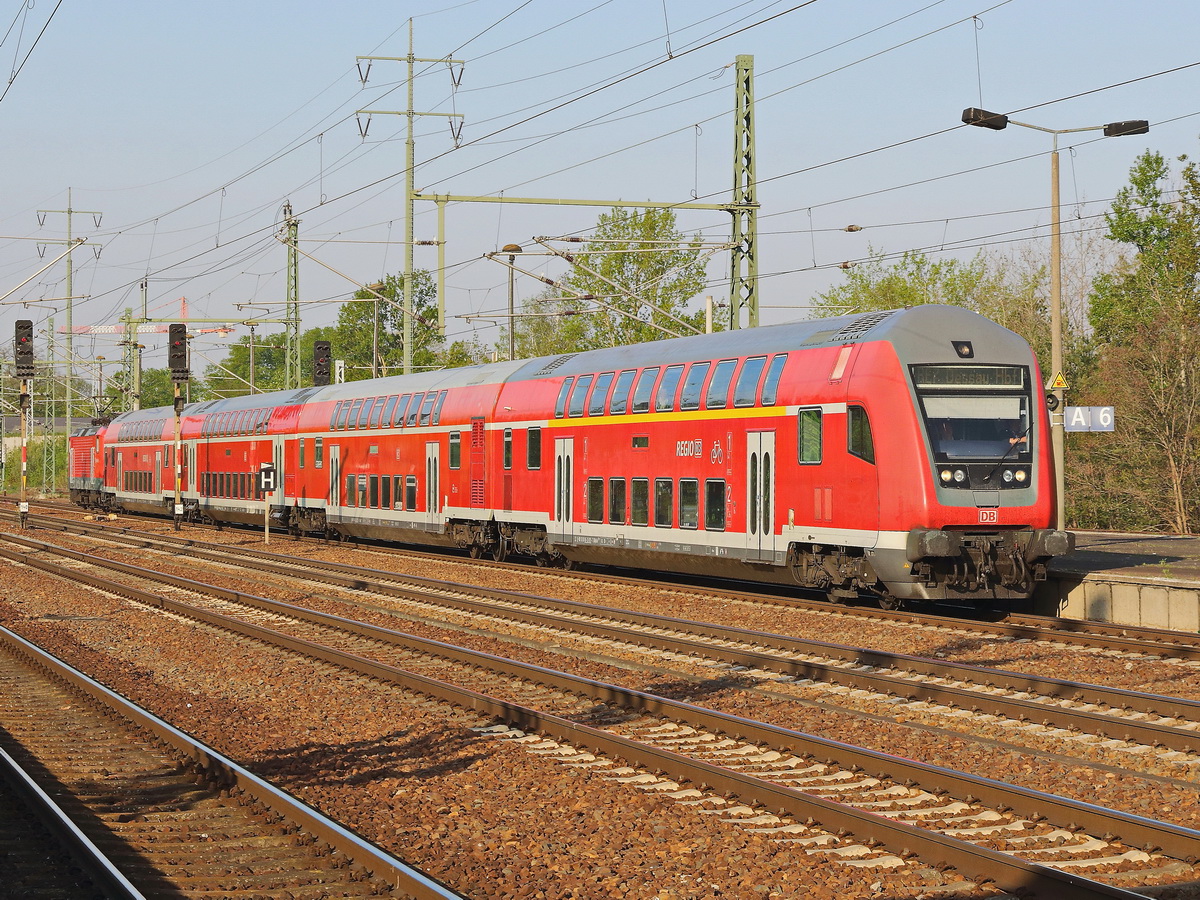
[(946, 475), (959, 476), (1021, 476), (1007, 476)]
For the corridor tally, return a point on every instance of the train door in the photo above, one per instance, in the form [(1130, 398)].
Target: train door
[(120, 485), (433, 505), (335, 480), (277, 494), (564, 460), (760, 495), (158, 464)]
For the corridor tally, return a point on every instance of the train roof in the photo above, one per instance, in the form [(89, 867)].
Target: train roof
[(920, 332)]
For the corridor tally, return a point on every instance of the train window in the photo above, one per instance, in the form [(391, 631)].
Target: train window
[(344, 415), (264, 418), (377, 411), (508, 453), (385, 420), (455, 449), (364, 412), (664, 397), (300, 448), (362, 490), (693, 385), (352, 422), (714, 505), (664, 502), (595, 499), (746, 391), (579, 395), (858, 434), (599, 399), (333, 416), (401, 406), (437, 410), (718, 387), (620, 394), (560, 405), (533, 448), (641, 442), (398, 493), (770, 388), (616, 501), (644, 390), (374, 504), (689, 503), (349, 490), (427, 407), (639, 501), (410, 492), (373, 450), (385, 486), (808, 436), (318, 452), (414, 408)]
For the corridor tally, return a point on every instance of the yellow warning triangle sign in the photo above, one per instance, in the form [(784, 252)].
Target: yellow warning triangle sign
[(1057, 383)]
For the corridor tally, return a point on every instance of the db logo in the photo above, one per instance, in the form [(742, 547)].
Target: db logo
[(989, 516)]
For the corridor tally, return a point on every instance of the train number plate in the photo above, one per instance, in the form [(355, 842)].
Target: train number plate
[(989, 516)]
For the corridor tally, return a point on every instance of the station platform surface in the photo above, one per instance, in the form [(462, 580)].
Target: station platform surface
[(1161, 557), (1130, 579)]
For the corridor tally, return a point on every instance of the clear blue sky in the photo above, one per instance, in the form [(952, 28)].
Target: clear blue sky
[(190, 124)]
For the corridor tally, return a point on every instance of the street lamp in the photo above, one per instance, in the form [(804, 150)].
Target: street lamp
[(997, 122), (511, 250)]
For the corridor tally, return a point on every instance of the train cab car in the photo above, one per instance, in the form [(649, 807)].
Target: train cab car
[(85, 466)]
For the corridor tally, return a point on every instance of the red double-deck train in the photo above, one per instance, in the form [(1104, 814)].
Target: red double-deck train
[(902, 453)]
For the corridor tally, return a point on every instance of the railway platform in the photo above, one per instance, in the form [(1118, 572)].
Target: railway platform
[(1128, 579)]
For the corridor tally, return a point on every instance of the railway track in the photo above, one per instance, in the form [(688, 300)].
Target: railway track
[(158, 814), (1104, 713), (1132, 639), (886, 808)]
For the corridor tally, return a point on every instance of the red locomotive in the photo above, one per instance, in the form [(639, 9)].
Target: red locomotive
[(903, 453)]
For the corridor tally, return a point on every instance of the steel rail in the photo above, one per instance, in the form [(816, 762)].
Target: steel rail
[(1123, 638), (90, 858), (1009, 872), (222, 770), (1098, 723)]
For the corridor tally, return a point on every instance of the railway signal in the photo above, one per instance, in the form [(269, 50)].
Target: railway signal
[(23, 348), (177, 352), (321, 353)]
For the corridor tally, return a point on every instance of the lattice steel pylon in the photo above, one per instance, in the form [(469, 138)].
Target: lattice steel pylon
[(743, 277), (291, 351)]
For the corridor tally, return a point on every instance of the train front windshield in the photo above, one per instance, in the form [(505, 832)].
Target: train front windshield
[(975, 412)]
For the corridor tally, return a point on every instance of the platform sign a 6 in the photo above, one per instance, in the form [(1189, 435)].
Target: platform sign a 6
[(1089, 418)]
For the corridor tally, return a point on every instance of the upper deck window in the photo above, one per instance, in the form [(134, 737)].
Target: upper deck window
[(770, 388), (579, 395), (644, 390), (620, 395), (664, 397), (718, 387), (746, 391), (693, 385)]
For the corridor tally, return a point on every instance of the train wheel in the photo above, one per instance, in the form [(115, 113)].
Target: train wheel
[(889, 601), (500, 550)]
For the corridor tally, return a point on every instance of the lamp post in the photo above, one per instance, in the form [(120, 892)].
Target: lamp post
[(997, 122), (511, 250)]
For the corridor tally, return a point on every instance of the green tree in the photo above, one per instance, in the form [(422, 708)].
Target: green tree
[(642, 272), (1009, 291), (1145, 316), (361, 320)]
